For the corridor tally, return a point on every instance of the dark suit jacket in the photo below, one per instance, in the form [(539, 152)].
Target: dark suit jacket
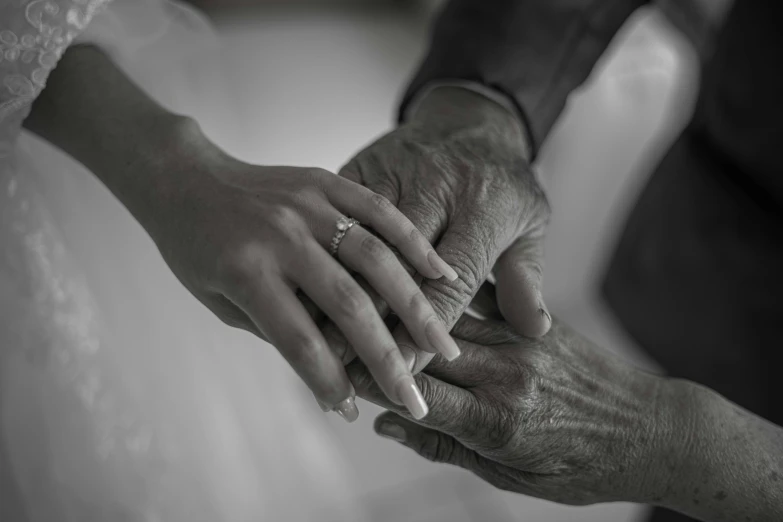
[(697, 277)]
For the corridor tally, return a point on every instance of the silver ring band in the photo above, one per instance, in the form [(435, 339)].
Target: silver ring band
[(343, 225)]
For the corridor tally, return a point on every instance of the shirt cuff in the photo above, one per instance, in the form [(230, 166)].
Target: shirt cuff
[(487, 92)]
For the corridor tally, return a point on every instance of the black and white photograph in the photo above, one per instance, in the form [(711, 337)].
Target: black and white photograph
[(391, 261)]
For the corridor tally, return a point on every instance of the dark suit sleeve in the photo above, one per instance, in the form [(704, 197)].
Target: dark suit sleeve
[(534, 51)]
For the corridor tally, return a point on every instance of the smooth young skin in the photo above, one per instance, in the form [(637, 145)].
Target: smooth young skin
[(560, 419), (243, 238)]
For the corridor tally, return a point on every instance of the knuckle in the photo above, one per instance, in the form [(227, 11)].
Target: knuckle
[(351, 300), (305, 197), (436, 447), (319, 173), (449, 300), (281, 218), (387, 356), (234, 265), (419, 306), (302, 350), (437, 396), (382, 207), (317, 176), (372, 248), (473, 267), (415, 236)]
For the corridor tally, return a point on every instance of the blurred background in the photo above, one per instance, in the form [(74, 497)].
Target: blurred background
[(314, 81), (311, 82)]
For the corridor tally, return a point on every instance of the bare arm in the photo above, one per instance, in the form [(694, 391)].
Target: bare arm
[(93, 112), (731, 465), (244, 238)]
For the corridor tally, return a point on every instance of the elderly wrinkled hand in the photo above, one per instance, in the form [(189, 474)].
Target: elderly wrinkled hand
[(554, 418), (458, 170)]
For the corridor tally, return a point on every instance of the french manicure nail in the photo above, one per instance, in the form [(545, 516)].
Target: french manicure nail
[(347, 410), (411, 397), (392, 431), (441, 340), (441, 266)]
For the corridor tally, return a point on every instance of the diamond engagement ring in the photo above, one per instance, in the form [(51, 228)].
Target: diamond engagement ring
[(343, 225)]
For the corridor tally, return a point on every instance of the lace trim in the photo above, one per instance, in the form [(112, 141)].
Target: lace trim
[(37, 33)]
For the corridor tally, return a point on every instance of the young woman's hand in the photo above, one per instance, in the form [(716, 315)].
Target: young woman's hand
[(243, 239)]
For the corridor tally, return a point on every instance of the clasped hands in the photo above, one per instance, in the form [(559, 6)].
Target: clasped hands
[(542, 413), (450, 190)]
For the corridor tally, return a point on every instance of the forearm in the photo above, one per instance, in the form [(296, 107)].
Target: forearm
[(729, 462), (535, 51), (96, 114)]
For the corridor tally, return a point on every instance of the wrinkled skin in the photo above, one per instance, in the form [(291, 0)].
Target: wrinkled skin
[(458, 170), (555, 418)]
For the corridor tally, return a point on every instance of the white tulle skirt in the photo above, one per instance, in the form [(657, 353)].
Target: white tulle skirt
[(121, 397)]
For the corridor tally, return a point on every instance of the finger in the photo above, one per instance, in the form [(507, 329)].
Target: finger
[(430, 223), (442, 448), (478, 363), (341, 298), (453, 410), (484, 332), (478, 367), (428, 219), (378, 212), (351, 172), (370, 257), (430, 444), (337, 341), (519, 273), (288, 326), (471, 246)]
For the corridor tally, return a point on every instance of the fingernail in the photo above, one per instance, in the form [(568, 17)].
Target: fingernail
[(542, 309), (441, 266), (324, 407), (392, 431), (441, 340), (411, 397), (347, 410)]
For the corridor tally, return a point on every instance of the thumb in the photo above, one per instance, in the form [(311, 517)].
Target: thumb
[(430, 444), (518, 274)]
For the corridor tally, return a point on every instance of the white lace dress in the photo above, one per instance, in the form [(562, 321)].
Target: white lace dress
[(121, 397)]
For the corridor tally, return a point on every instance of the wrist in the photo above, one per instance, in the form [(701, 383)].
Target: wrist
[(447, 110), (684, 460), (170, 160), (664, 441)]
